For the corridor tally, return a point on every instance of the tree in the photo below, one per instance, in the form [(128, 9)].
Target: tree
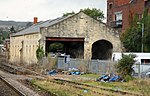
[(132, 37), (124, 66), (67, 14), (146, 37), (55, 47), (94, 13), (12, 30)]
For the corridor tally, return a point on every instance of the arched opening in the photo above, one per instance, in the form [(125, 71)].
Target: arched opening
[(102, 50)]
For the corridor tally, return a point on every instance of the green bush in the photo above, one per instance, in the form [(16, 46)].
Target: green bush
[(39, 53), (124, 66), (54, 47), (128, 78)]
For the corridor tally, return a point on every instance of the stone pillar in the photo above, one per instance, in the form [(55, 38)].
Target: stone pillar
[(42, 43), (117, 46), (87, 51)]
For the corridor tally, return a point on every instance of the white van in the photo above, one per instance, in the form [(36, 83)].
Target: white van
[(142, 61)]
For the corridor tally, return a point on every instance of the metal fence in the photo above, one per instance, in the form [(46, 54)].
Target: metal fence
[(142, 70), (96, 66), (92, 66)]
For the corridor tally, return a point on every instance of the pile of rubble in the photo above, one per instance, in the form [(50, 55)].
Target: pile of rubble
[(70, 71), (110, 78)]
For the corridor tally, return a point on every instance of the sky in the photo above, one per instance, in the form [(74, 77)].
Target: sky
[(26, 10)]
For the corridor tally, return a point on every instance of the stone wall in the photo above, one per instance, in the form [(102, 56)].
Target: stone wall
[(23, 48), (81, 25)]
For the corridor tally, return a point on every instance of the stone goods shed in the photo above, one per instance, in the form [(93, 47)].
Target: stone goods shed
[(81, 35)]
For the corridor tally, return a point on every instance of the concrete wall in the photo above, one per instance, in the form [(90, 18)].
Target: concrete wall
[(83, 26), (23, 48)]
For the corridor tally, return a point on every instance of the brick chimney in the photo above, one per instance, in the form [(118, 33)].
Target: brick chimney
[(35, 20)]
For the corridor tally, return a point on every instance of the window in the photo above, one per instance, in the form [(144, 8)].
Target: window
[(110, 5), (118, 18), (145, 61)]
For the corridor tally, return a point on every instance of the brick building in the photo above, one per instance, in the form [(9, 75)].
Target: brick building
[(121, 12)]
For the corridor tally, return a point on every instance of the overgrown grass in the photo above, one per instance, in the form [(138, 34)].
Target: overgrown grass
[(136, 86), (90, 75), (60, 90)]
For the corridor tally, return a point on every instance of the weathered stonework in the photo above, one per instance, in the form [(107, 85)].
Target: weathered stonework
[(23, 48), (24, 45), (81, 25)]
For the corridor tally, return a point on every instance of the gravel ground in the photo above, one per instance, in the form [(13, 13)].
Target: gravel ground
[(12, 79), (5, 90)]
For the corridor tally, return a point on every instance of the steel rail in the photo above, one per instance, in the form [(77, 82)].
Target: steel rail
[(106, 89), (12, 87)]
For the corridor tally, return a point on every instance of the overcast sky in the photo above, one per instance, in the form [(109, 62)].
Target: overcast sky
[(25, 10)]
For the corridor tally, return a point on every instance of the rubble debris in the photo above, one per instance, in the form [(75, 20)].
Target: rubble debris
[(73, 71), (52, 72), (110, 78)]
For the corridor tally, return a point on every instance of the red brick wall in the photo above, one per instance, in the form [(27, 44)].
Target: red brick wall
[(121, 2), (126, 8), (131, 10)]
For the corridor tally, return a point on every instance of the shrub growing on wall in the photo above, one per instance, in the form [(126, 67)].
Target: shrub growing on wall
[(39, 53)]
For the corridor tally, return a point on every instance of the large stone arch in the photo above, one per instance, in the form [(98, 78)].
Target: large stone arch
[(102, 49)]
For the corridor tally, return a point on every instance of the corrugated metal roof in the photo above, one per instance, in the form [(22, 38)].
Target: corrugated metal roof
[(36, 27)]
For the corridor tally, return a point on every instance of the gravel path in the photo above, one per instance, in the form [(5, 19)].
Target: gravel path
[(5, 90), (12, 79)]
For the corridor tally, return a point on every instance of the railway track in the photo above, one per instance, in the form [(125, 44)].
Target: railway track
[(89, 87), (15, 70), (75, 85), (11, 87), (8, 68)]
